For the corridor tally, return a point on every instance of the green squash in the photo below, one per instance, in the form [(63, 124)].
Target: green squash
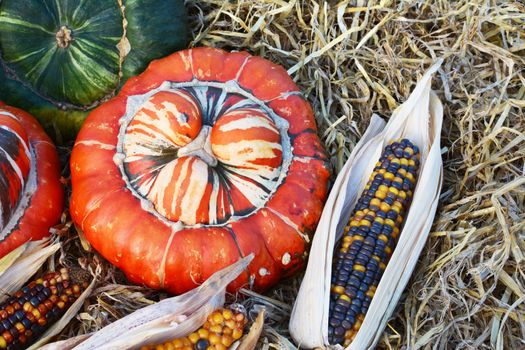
[(61, 58)]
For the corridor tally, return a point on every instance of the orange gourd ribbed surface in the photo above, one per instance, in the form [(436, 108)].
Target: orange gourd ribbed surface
[(31, 195), (204, 158)]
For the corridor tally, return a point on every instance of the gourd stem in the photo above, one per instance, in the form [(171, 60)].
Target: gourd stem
[(64, 37), (200, 147)]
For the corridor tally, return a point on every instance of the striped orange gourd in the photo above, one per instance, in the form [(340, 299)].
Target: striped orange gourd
[(206, 157), (31, 197)]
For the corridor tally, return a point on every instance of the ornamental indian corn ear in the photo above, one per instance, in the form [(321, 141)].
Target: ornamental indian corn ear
[(371, 231), (26, 315), (370, 238)]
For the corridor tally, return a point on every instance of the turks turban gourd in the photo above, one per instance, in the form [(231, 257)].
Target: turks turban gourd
[(204, 158), (58, 59), (31, 197)]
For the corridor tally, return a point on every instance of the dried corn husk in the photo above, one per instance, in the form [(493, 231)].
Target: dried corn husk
[(418, 119), (17, 267), (249, 341), (168, 319)]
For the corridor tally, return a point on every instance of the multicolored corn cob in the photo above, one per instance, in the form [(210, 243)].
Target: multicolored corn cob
[(26, 315), (221, 329), (370, 238)]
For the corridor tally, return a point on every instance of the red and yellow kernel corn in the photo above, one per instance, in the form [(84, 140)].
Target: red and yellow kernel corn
[(370, 238), (26, 315), (221, 329)]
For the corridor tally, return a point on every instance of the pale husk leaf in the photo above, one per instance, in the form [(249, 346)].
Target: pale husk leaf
[(30, 259)]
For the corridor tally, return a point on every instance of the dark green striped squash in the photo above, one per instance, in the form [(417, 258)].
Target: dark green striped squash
[(61, 58)]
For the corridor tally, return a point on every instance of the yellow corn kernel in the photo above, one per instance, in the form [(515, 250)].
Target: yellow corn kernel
[(193, 337), (358, 267), (230, 323), (216, 328), (380, 194), (337, 290), (383, 237), (365, 222), (384, 207), (36, 313), (215, 339), (227, 314), (237, 333), (203, 333), (177, 343), (345, 297), (217, 317), (226, 340), (393, 190)]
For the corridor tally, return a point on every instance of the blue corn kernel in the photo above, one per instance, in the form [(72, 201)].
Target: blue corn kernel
[(338, 316), (351, 291), (26, 323), (391, 215), (381, 214), (334, 322), (347, 324), (340, 308), (339, 331), (355, 308)]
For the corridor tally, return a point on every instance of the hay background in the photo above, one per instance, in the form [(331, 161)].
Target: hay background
[(355, 58)]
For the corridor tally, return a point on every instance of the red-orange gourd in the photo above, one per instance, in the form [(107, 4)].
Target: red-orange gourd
[(31, 195), (204, 158)]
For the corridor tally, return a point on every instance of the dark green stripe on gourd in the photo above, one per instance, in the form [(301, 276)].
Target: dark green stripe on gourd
[(62, 56)]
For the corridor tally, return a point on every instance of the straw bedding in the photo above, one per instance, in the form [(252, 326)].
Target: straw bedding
[(355, 58)]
